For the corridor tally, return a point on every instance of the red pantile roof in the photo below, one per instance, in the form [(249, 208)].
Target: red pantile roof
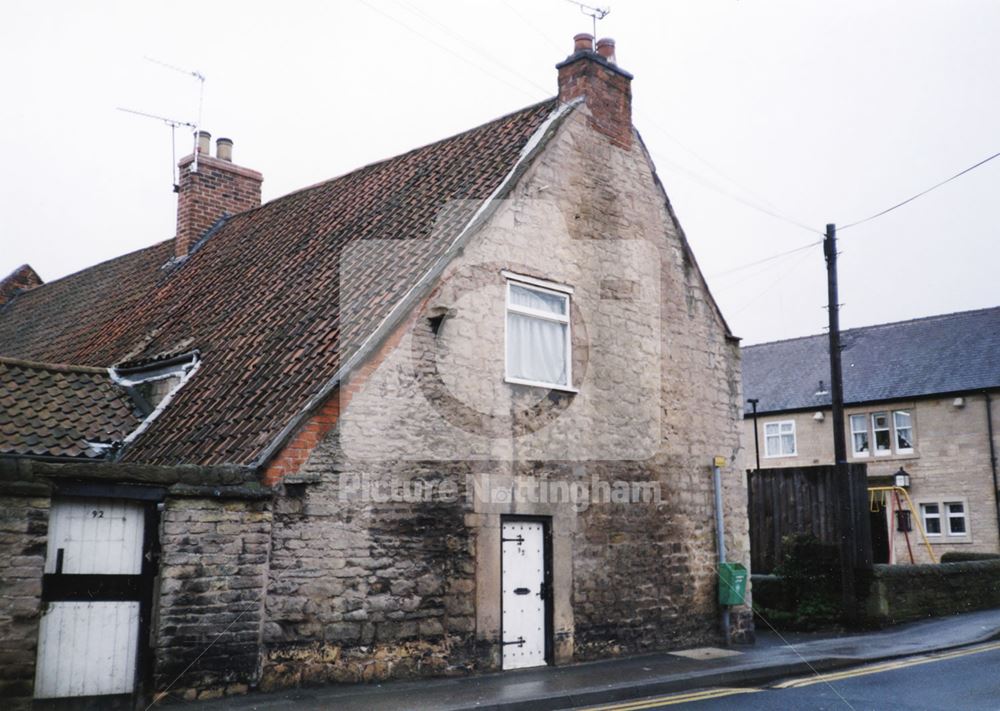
[(70, 320), (262, 299), (55, 410)]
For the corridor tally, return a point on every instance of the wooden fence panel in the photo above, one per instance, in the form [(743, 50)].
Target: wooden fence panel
[(802, 500)]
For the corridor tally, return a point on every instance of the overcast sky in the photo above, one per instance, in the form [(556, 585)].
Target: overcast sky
[(818, 111)]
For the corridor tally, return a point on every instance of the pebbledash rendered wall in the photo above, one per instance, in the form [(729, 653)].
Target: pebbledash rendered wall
[(366, 584), (950, 462)]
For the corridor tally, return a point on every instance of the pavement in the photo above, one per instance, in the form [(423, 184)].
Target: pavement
[(773, 657)]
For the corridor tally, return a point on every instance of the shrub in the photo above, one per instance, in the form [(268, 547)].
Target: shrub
[(810, 578)]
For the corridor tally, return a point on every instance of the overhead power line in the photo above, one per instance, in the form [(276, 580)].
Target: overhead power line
[(920, 194), (765, 206), (769, 209), (733, 196), (775, 211), (528, 23), (779, 255), (792, 269), (447, 49), (478, 49)]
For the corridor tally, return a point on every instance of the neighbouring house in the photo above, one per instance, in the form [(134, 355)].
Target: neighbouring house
[(920, 402), (454, 411)]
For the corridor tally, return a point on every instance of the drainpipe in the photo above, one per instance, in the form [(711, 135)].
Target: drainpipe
[(993, 454), (756, 437), (720, 536)]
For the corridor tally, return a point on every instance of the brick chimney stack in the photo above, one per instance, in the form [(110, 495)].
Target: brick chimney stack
[(218, 189), (606, 88)]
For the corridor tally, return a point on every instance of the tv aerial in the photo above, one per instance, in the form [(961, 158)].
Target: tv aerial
[(595, 13), (174, 124)]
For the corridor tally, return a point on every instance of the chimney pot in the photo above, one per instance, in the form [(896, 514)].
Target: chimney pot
[(224, 149), (583, 42), (602, 84), (203, 197), (606, 48)]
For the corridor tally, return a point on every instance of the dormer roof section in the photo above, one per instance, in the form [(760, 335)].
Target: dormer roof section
[(51, 411)]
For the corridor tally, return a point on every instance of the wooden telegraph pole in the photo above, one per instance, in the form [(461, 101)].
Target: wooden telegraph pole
[(845, 489)]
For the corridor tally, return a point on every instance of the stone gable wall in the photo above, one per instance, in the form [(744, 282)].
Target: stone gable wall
[(366, 589)]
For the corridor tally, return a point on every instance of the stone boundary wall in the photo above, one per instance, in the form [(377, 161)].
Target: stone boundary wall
[(909, 592), (902, 593)]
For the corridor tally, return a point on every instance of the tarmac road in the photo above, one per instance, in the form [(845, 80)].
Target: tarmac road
[(966, 679)]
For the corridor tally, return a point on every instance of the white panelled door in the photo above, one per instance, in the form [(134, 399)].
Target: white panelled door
[(524, 597), (87, 644)]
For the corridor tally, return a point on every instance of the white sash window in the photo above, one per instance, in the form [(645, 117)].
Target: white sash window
[(538, 334)]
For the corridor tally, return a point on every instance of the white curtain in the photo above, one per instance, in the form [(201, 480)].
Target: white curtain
[(537, 300), (536, 348)]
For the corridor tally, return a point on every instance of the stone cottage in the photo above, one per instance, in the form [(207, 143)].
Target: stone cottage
[(454, 411), (921, 410)]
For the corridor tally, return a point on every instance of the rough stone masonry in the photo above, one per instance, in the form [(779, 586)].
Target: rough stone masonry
[(332, 577), (362, 589)]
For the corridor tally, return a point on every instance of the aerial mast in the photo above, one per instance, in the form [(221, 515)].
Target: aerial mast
[(595, 13), (175, 123)]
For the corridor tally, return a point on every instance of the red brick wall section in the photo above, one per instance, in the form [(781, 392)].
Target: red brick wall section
[(607, 91), (218, 188), (294, 454), (21, 279)]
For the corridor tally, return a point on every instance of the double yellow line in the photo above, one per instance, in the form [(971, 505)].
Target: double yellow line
[(674, 699), (889, 666), (796, 683)]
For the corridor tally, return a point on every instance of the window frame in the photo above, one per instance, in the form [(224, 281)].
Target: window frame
[(795, 439), (895, 436), (547, 287), (944, 516), (876, 452), (964, 516), (923, 518), (868, 437), (869, 417)]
